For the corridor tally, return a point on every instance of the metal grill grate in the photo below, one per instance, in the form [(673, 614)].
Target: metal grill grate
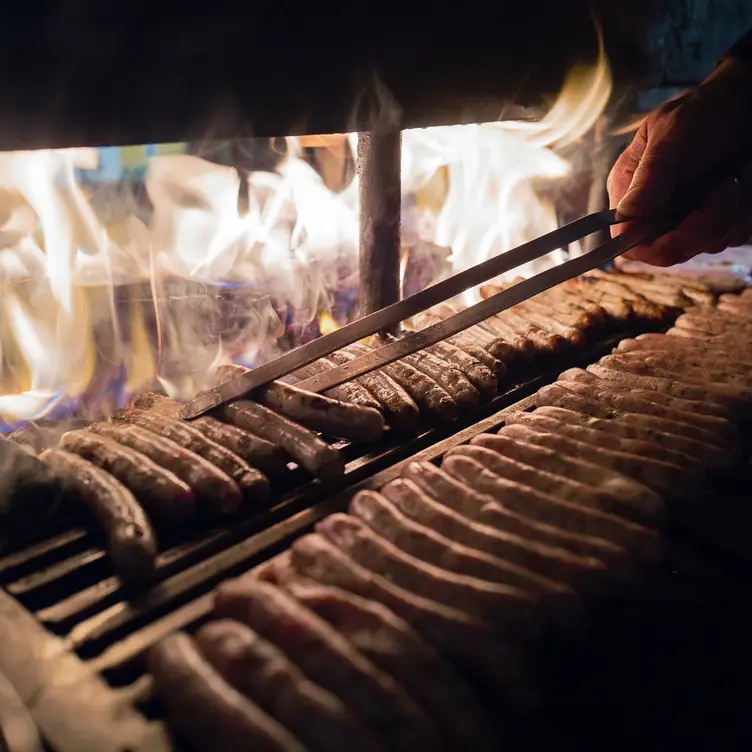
[(72, 604)]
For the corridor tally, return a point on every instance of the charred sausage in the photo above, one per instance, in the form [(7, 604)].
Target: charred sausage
[(214, 489), (305, 447), (160, 491), (257, 452), (131, 543), (253, 484)]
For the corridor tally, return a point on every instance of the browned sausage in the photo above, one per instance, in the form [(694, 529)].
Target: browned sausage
[(502, 668), (555, 564), (483, 371), (207, 710), (331, 417), (400, 410), (257, 452), (350, 391), (254, 485), (505, 606), (482, 508), (161, 492), (213, 488), (305, 447), (263, 673), (430, 546), (130, 539), (327, 658), (392, 644)]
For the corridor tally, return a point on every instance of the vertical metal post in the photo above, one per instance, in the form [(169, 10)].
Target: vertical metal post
[(378, 163)]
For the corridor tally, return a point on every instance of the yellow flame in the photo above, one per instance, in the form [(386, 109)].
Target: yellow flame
[(493, 171), (85, 295), (327, 324)]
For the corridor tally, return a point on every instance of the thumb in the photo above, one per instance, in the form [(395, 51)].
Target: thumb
[(654, 179)]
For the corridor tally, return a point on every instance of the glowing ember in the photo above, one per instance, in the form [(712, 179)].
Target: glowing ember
[(99, 304)]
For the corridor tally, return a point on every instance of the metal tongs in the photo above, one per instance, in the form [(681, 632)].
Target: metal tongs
[(634, 235), (638, 232)]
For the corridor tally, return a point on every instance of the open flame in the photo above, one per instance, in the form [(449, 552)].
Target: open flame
[(490, 175), (98, 303)]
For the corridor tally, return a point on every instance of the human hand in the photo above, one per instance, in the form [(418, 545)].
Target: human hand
[(683, 140)]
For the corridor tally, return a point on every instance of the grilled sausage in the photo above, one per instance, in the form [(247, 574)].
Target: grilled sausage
[(386, 520), (33, 436), (641, 306), (711, 456), (544, 507), (548, 321), (483, 377), (131, 544), (390, 643), (328, 659), (209, 712), (262, 672), (400, 411), (257, 452), (505, 606), (501, 668), (617, 308), (433, 401), (484, 509), (668, 297), (635, 389), (715, 402), (564, 423), (350, 391), (477, 349), (305, 447), (331, 417), (214, 490), (448, 376), (670, 481), (726, 395), (554, 600), (254, 485), (161, 492), (570, 477), (554, 564), (722, 434)]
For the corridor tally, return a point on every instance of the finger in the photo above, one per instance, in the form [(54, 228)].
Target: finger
[(706, 228), (620, 177)]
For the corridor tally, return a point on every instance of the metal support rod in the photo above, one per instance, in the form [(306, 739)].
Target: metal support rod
[(378, 162)]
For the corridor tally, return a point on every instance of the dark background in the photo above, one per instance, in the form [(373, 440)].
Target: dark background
[(99, 73)]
